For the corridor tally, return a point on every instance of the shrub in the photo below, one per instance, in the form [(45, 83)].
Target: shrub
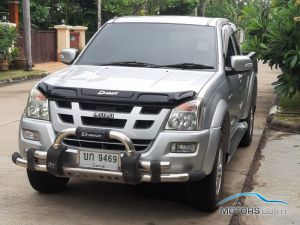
[(8, 38), (275, 35)]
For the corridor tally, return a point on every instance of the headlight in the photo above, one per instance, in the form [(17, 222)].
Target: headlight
[(37, 105), (185, 116)]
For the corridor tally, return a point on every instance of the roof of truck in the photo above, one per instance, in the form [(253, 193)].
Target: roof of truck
[(193, 20)]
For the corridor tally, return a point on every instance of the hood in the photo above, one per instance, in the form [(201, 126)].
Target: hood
[(130, 78)]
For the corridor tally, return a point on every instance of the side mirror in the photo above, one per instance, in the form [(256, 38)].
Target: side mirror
[(68, 55), (241, 63)]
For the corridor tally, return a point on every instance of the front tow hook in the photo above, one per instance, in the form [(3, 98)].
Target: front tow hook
[(15, 157)]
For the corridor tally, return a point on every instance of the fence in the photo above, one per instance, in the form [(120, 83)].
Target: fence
[(44, 46)]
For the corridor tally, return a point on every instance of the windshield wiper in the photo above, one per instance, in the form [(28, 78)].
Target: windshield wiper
[(188, 66), (142, 64), (129, 63)]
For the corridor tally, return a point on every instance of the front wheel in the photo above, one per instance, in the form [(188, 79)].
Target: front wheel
[(204, 194), (46, 183)]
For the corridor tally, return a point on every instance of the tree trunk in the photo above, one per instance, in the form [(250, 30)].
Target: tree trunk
[(201, 8), (99, 13)]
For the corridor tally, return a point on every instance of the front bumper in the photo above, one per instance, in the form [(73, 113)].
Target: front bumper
[(174, 167), (103, 175), (134, 170)]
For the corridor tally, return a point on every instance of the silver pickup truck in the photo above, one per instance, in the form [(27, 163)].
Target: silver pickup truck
[(150, 99)]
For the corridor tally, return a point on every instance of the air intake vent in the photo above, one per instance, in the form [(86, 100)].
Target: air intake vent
[(106, 107), (66, 118), (143, 124), (64, 104), (150, 110), (101, 122), (139, 144)]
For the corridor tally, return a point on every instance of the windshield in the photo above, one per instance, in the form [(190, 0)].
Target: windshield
[(152, 44)]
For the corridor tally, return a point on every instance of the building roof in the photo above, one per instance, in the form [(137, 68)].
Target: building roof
[(193, 20)]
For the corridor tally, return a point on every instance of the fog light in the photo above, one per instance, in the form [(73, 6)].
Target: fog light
[(31, 135), (183, 147)]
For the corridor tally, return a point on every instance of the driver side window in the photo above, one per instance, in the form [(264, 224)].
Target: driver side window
[(230, 52)]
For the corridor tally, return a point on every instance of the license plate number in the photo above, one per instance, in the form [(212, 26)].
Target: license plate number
[(99, 160)]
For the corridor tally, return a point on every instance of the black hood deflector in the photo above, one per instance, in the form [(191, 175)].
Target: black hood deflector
[(165, 100)]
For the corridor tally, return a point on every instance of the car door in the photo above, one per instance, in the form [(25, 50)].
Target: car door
[(243, 77)]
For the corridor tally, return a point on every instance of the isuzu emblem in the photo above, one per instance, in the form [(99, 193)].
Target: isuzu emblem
[(104, 115)]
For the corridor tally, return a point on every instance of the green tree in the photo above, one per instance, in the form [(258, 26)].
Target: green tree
[(275, 35), (115, 8), (254, 20), (222, 9), (39, 14), (179, 7)]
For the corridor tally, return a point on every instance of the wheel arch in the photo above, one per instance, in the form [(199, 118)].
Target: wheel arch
[(220, 124), (221, 111)]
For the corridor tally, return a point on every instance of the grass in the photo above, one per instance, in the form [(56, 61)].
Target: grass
[(291, 105), (289, 109), (17, 73), (288, 117)]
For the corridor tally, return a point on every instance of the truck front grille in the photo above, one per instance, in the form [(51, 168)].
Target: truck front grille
[(140, 123)]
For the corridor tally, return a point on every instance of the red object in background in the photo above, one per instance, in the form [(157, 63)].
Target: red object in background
[(74, 40), (14, 12)]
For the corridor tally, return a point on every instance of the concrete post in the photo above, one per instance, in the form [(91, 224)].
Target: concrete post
[(27, 33), (81, 30), (63, 38)]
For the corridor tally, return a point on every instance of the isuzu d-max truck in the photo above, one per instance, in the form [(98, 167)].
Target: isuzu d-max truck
[(150, 99)]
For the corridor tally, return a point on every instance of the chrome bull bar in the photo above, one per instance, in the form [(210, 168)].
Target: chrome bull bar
[(133, 169), (129, 147)]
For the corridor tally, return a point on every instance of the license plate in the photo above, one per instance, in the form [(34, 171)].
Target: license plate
[(99, 160)]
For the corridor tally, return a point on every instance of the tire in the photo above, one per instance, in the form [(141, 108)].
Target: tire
[(203, 195), (247, 138), (45, 182)]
